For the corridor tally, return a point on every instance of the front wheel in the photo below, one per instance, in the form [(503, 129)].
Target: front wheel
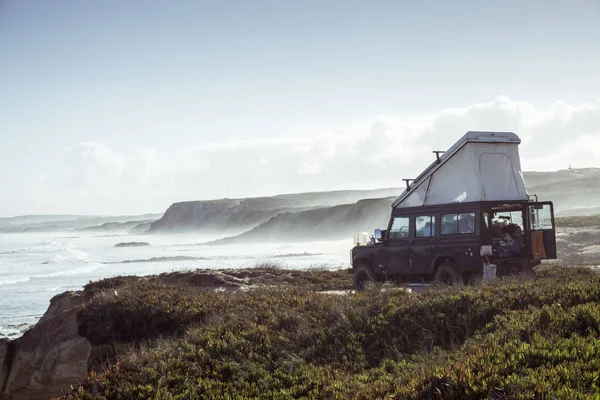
[(447, 274), (363, 274)]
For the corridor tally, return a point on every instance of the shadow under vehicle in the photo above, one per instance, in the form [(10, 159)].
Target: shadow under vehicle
[(467, 216)]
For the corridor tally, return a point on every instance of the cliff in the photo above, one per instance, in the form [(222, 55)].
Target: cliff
[(328, 223), (47, 359), (129, 226), (223, 215), (243, 214), (59, 223)]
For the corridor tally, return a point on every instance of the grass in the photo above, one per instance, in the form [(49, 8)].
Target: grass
[(510, 338), (267, 264)]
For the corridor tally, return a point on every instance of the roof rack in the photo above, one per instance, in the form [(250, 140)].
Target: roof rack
[(407, 181)]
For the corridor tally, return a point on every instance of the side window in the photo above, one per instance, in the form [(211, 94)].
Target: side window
[(425, 226), (458, 224), (399, 228), (501, 219)]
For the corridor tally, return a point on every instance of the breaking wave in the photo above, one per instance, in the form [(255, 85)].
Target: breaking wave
[(13, 281), (56, 274), (71, 254), (77, 271)]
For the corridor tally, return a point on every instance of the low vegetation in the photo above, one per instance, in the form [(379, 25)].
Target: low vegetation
[(578, 221), (512, 338)]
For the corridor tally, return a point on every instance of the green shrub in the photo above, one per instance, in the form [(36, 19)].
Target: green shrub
[(505, 339)]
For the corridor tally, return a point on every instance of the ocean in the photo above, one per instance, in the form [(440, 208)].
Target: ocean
[(34, 267)]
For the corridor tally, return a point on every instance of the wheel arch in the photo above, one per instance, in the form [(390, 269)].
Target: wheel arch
[(442, 259), (362, 260)]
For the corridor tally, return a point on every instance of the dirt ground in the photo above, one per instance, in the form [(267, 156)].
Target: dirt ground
[(578, 245)]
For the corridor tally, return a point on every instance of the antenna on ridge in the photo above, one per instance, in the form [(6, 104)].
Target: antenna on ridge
[(407, 182)]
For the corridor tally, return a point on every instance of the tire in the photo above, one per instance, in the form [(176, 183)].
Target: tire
[(526, 270), (363, 275), (447, 274)]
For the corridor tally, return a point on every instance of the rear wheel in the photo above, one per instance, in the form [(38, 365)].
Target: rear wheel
[(526, 270), (363, 275), (447, 274)]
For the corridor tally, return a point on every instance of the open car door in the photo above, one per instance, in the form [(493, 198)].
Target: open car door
[(543, 230)]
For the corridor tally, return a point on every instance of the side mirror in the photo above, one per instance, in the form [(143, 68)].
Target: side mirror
[(378, 235)]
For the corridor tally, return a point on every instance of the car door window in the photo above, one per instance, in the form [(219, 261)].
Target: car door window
[(425, 226), (399, 228), (540, 217)]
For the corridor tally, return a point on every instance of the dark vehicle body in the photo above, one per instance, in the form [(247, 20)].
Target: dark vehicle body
[(428, 243)]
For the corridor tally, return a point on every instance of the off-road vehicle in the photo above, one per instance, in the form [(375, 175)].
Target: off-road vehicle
[(467, 215)]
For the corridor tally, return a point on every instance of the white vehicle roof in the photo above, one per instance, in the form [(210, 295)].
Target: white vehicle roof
[(481, 166)]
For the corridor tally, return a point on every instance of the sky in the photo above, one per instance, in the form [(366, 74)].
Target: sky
[(124, 107)]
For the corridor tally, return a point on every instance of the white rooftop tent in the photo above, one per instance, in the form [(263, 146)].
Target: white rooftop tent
[(481, 166)]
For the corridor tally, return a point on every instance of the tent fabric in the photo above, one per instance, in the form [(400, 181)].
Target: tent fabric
[(474, 169), (417, 197)]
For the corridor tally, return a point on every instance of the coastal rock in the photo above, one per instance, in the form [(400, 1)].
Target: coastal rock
[(132, 244), (50, 357), (4, 359)]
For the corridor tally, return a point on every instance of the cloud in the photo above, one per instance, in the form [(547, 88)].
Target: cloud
[(93, 166), (363, 154)]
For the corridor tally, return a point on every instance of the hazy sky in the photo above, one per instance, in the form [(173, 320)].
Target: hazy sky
[(125, 106)]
